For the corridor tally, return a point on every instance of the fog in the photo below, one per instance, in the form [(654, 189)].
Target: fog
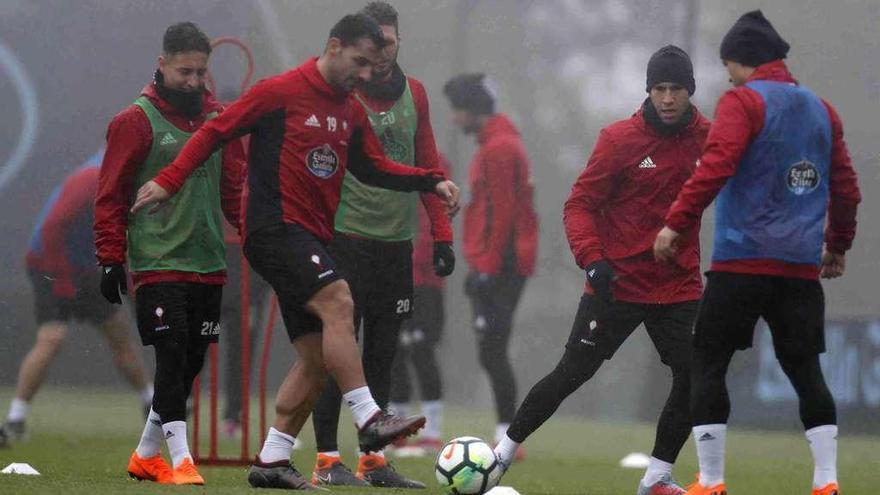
[(564, 69)]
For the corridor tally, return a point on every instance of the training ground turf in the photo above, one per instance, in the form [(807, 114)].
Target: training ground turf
[(80, 440)]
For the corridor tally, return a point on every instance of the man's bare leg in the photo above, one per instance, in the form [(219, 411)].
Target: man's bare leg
[(297, 395), (31, 374), (36, 363), (293, 404), (334, 306)]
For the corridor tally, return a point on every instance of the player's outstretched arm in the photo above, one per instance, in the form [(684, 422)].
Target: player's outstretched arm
[(235, 121), (368, 163)]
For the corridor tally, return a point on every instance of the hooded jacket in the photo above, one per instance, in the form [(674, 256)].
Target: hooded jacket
[(619, 202), (739, 119), (500, 217), (129, 138)]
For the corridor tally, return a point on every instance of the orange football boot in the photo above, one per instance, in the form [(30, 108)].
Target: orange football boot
[(150, 469), (698, 489), (186, 474), (829, 489)]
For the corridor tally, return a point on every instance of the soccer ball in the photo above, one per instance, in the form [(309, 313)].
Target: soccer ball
[(467, 466)]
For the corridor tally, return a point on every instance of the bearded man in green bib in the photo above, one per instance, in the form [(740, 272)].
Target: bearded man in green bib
[(175, 254), (372, 246)]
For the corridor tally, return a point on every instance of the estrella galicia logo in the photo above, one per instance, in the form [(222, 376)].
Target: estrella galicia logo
[(803, 177), (323, 162)]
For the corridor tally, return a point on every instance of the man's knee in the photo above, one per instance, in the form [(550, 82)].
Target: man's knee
[(577, 366), (51, 336), (333, 303), (490, 354), (421, 352)]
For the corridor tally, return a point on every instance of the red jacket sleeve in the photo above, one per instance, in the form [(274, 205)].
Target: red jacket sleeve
[(368, 163), (128, 144), (501, 163), (235, 121), (428, 157), (585, 203), (845, 195), (739, 118), (77, 195), (232, 181)]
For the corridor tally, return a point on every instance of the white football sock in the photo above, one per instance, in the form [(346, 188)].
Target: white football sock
[(402, 409), (501, 431), (710, 441), (151, 439), (146, 394), (505, 451), (656, 470), (362, 405), (277, 447), (175, 439), (823, 444), (433, 411), (18, 410)]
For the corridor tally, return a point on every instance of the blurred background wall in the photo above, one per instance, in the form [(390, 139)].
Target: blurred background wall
[(564, 70)]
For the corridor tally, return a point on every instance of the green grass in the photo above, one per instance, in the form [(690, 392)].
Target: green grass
[(80, 440)]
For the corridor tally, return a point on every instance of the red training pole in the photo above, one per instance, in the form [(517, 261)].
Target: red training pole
[(245, 360)]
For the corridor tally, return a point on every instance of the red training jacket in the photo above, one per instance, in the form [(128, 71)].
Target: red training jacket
[(618, 204), (62, 241), (302, 131), (426, 155), (500, 213), (423, 247), (739, 119), (129, 138)]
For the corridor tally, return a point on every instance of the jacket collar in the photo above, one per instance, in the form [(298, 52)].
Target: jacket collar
[(773, 71), (313, 76), (638, 119), (210, 104), (498, 124)]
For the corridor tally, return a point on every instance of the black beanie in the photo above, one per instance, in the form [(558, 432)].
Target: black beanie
[(752, 41), (470, 92), (671, 64)]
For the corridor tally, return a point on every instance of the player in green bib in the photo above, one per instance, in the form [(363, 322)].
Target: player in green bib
[(175, 254), (373, 248)]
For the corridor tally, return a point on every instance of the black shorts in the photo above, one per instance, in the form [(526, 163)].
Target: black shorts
[(188, 310), (426, 324), (379, 274), (297, 265), (793, 308), (88, 305), (602, 327)]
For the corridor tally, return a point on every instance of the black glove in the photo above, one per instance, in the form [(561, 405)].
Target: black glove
[(600, 275), (444, 259), (113, 283)]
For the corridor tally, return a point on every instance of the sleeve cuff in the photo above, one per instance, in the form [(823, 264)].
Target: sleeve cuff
[(585, 260), (166, 183)]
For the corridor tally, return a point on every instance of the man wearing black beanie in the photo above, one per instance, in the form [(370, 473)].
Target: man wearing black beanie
[(500, 238), (615, 208), (778, 164)]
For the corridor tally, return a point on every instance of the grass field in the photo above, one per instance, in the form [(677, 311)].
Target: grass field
[(80, 440)]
